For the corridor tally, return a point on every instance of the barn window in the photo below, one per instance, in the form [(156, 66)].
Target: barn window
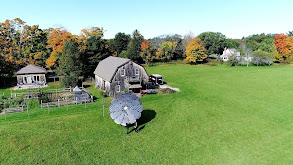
[(136, 71), (117, 88), (122, 72)]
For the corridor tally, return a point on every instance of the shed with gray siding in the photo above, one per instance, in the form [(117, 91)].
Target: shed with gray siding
[(115, 74), (32, 76)]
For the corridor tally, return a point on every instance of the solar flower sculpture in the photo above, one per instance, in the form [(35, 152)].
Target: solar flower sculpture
[(126, 109)]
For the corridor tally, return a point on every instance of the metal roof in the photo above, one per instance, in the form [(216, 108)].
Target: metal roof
[(31, 69), (157, 75), (76, 89), (108, 67)]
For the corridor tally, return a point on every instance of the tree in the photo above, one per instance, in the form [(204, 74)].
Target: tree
[(232, 43), (195, 51), (34, 42), (147, 52), (267, 45), (247, 52), (166, 51), (96, 50), (253, 42), (120, 42), (185, 41), (290, 33), (87, 33), (214, 42), (262, 58), (56, 40), (134, 47), (11, 33), (69, 66), (284, 47)]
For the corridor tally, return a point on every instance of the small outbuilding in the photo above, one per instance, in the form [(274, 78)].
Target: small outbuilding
[(81, 96), (31, 76), (115, 74)]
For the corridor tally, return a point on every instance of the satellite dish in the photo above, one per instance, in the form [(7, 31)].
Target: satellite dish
[(125, 109)]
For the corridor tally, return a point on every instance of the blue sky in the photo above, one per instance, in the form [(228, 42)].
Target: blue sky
[(233, 18)]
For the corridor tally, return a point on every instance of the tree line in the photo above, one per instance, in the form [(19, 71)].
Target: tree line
[(72, 55)]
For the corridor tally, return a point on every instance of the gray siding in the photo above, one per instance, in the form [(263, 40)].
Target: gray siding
[(134, 73)]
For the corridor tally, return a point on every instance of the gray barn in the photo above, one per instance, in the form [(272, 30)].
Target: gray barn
[(114, 74)]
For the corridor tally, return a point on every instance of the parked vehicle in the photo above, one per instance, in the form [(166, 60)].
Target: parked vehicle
[(156, 79), (148, 91)]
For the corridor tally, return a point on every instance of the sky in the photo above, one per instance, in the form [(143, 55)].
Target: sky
[(233, 18)]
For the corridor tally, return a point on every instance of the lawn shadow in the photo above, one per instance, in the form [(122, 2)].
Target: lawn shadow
[(146, 117)]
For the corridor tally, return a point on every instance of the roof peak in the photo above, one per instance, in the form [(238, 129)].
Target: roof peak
[(30, 69)]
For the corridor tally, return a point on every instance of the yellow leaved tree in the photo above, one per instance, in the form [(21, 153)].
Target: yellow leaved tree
[(195, 51)]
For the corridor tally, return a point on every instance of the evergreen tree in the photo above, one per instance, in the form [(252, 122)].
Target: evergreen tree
[(69, 66), (97, 49), (134, 47)]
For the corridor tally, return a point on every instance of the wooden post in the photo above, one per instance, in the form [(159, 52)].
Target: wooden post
[(70, 88), (28, 114), (58, 103), (67, 104), (103, 107), (48, 108), (41, 104), (4, 110)]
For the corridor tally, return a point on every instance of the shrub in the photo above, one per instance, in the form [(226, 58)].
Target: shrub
[(44, 97), (233, 61), (32, 103), (70, 80), (262, 58)]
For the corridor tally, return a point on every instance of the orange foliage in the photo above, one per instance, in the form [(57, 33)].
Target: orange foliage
[(284, 47), (56, 40), (195, 51), (145, 45), (147, 51)]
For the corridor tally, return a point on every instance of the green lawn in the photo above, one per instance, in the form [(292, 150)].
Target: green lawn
[(222, 115)]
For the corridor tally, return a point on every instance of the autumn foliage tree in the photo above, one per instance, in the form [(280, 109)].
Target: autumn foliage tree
[(86, 34), (34, 42), (284, 47), (195, 51), (147, 52), (56, 39), (166, 51)]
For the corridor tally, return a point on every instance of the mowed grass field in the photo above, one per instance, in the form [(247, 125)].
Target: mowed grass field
[(222, 115)]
